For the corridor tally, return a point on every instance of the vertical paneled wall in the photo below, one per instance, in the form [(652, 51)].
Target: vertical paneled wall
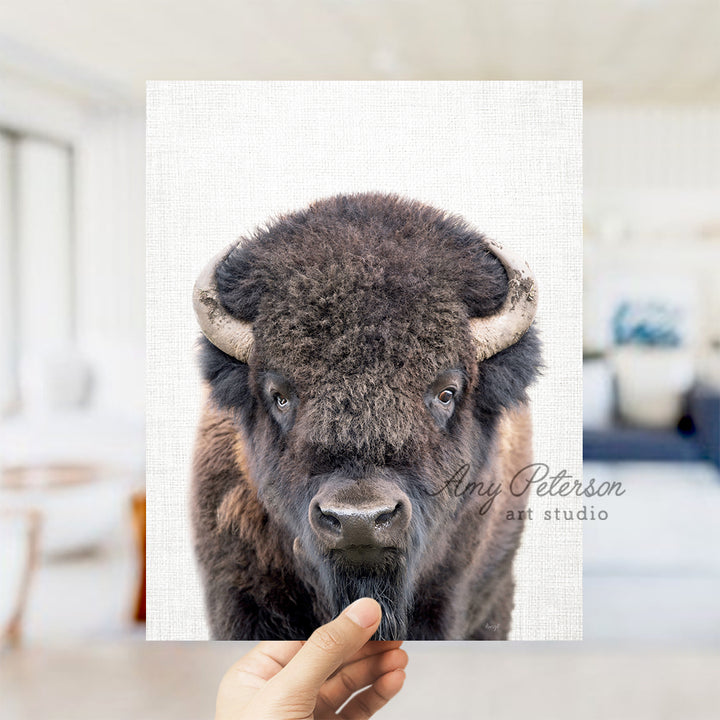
[(655, 166), (110, 256), (652, 214)]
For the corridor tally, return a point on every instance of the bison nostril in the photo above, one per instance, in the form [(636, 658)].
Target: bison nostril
[(329, 521), (386, 517)]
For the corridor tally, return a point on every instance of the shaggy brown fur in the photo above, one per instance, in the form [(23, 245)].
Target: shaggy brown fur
[(360, 309)]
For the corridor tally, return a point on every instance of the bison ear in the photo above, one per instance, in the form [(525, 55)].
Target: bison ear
[(228, 379), (504, 378)]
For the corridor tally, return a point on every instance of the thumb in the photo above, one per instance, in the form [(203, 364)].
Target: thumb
[(326, 650)]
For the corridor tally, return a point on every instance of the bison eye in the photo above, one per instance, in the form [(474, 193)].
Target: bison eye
[(281, 402), (444, 395)]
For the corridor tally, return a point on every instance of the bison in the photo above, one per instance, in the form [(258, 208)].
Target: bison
[(366, 362)]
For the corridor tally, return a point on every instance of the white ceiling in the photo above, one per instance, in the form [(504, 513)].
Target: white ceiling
[(624, 50)]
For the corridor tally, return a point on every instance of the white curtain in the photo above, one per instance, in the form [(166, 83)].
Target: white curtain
[(36, 264), (8, 385), (45, 255)]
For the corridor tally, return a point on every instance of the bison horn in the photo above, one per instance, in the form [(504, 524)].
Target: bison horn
[(227, 333), (492, 334), (503, 329)]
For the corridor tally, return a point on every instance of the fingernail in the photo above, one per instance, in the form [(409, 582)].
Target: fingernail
[(364, 612)]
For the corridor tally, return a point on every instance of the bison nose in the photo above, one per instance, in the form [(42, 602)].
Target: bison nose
[(339, 526)]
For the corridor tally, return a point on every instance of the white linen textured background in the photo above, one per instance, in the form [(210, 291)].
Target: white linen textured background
[(224, 157)]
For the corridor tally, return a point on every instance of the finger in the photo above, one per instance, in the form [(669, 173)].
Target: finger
[(372, 647), (351, 678), (326, 650), (267, 658), (279, 652), (369, 701), (264, 661)]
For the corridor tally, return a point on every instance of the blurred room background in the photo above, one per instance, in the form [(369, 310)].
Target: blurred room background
[(652, 369), (72, 325), (72, 355)]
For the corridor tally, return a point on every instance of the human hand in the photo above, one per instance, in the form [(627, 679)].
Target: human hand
[(311, 680)]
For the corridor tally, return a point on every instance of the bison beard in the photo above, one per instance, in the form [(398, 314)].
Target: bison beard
[(387, 583), (336, 583)]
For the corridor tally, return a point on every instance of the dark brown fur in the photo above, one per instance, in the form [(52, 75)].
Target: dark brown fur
[(360, 302)]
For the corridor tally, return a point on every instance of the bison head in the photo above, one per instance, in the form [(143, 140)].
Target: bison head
[(367, 346)]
